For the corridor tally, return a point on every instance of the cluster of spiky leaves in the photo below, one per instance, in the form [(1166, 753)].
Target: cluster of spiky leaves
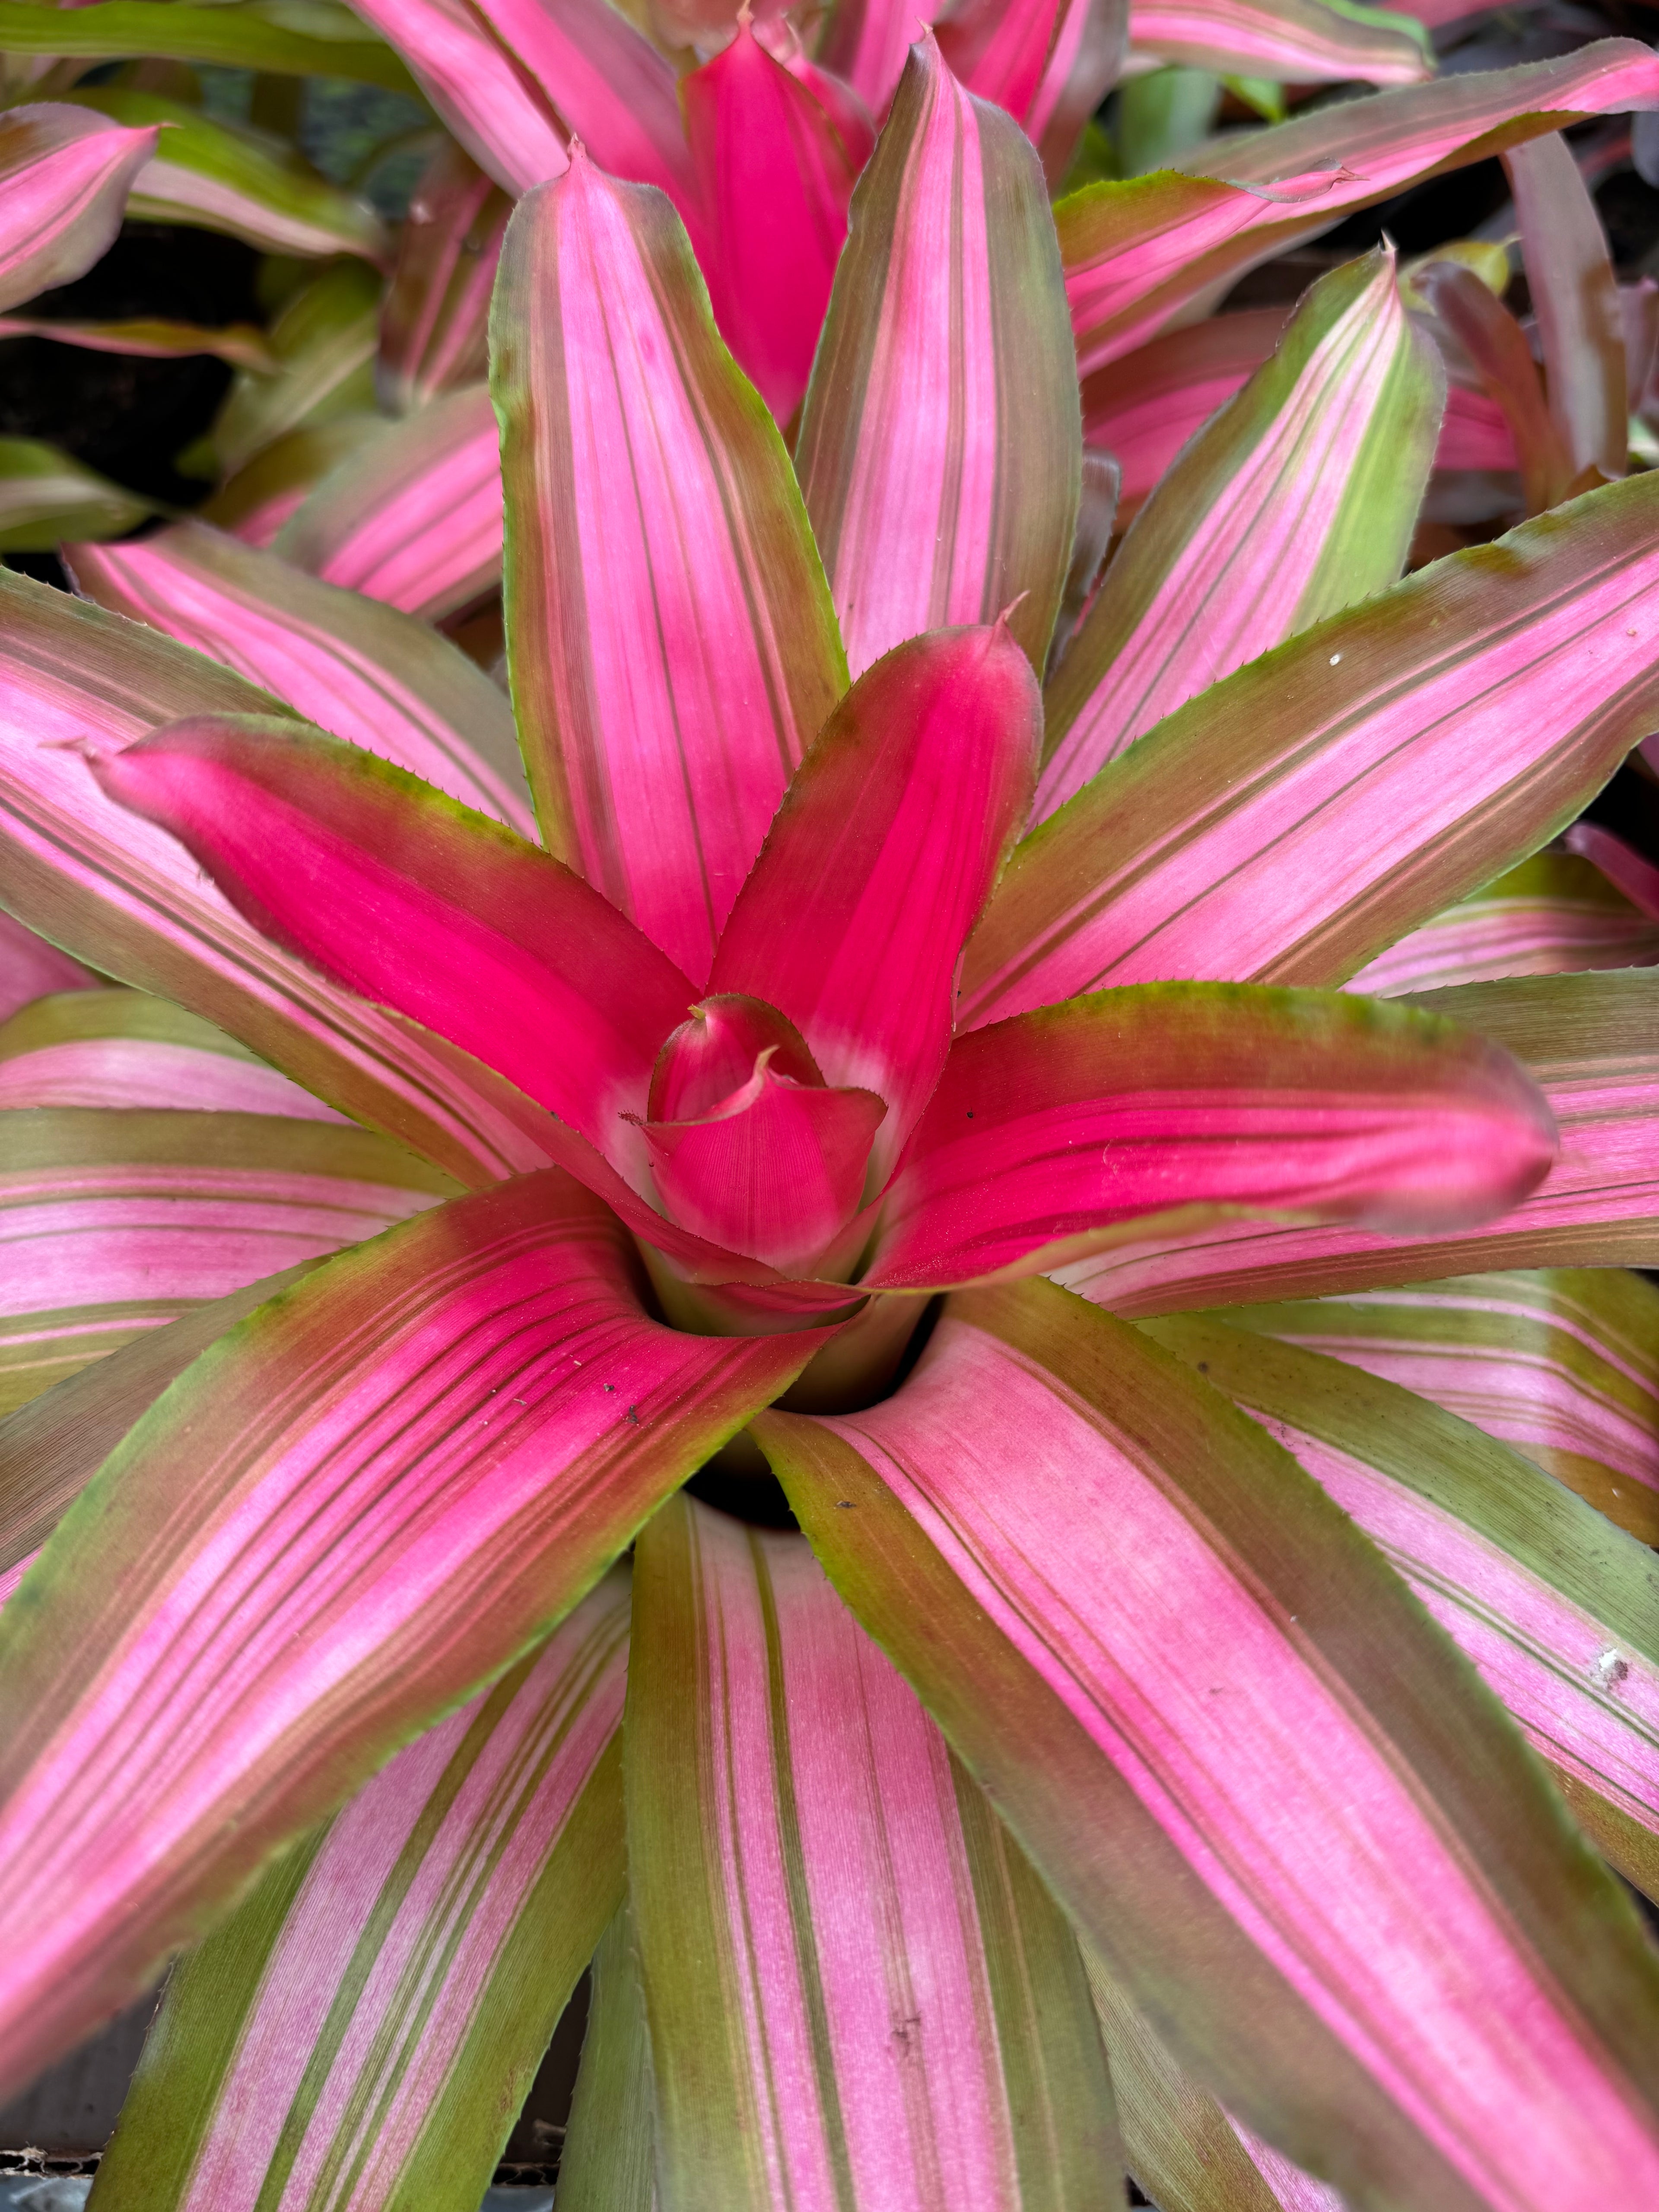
[(1101, 1086)]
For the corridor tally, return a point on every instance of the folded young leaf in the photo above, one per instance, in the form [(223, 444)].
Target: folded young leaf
[(1563, 1363), (479, 1399), (1555, 914), (672, 656), (247, 36), (608, 2159), (91, 876), (435, 327), (940, 450), (1559, 1611), (373, 2015), (1057, 1133), (1575, 301), (1049, 63), (323, 340), (1376, 767), (853, 920), (1589, 1042), (1137, 252), (823, 1897), (1294, 41), (415, 517), (46, 496), (123, 1048), (63, 181), (113, 1223), (1298, 499), (30, 968), (1306, 1842), (361, 671)]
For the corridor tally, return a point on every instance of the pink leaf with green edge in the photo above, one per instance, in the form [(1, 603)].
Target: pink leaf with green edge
[(1297, 41), (419, 904), (1137, 252), (114, 1222), (1575, 302), (867, 42), (1561, 1363), (1298, 499), (30, 968), (434, 326), (151, 337), (1055, 1134), (1621, 864), (1308, 1842), (607, 2162), (481, 1401), (776, 179), (777, 1168), (1049, 63), (361, 671), (64, 176), (505, 119), (671, 655), (371, 2018), (413, 516), (822, 1899), (1587, 1041), (255, 503), (1184, 2149), (1496, 346), (881, 856), (1553, 915), (120, 1048), (1290, 823), (130, 900), (952, 510), (1559, 1611)]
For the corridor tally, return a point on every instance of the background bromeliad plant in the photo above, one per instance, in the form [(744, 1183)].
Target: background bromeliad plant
[(1096, 1781)]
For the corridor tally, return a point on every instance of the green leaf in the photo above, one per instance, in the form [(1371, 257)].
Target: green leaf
[(46, 497), (258, 35), (608, 2163)]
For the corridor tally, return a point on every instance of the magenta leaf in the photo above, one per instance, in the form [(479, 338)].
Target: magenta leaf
[(30, 968)]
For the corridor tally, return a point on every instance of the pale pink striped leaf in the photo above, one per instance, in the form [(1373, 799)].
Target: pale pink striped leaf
[(866, 42), (1621, 864), (776, 179), (1049, 63), (361, 671), (128, 899), (121, 1048), (1575, 302), (479, 1402), (852, 921), (64, 175), (254, 504), (1589, 1042), (1289, 823), (671, 655), (1555, 914), (434, 326), (823, 1897), (1057, 1133), (1186, 2151), (414, 517), (1267, 1790), (115, 1222), (1559, 1611), (1561, 1363), (372, 2016), (30, 968), (1137, 252), (940, 450), (607, 2162), (1294, 41), (1495, 346), (1298, 499), (152, 337), (505, 119)]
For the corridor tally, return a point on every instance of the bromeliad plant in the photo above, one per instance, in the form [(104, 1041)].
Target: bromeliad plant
[(1084, 1719)]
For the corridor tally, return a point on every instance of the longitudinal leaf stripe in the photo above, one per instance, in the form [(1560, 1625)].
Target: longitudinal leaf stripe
[(63, 181), (362, 2029), (672, 649), (119, 29), (940, 449), (1376, 767), (363, 1501), (1297, 500), (1234, 1819), (90, 874), (111, 1224), (1300, 41), (1137, 252), (1558, 1611), (1556, 915), (1561, 1363), (1589, 1042), (608, 2163), (857, 1991), (435, 325)]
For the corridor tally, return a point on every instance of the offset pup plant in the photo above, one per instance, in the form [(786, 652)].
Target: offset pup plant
[(871, 1075)]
